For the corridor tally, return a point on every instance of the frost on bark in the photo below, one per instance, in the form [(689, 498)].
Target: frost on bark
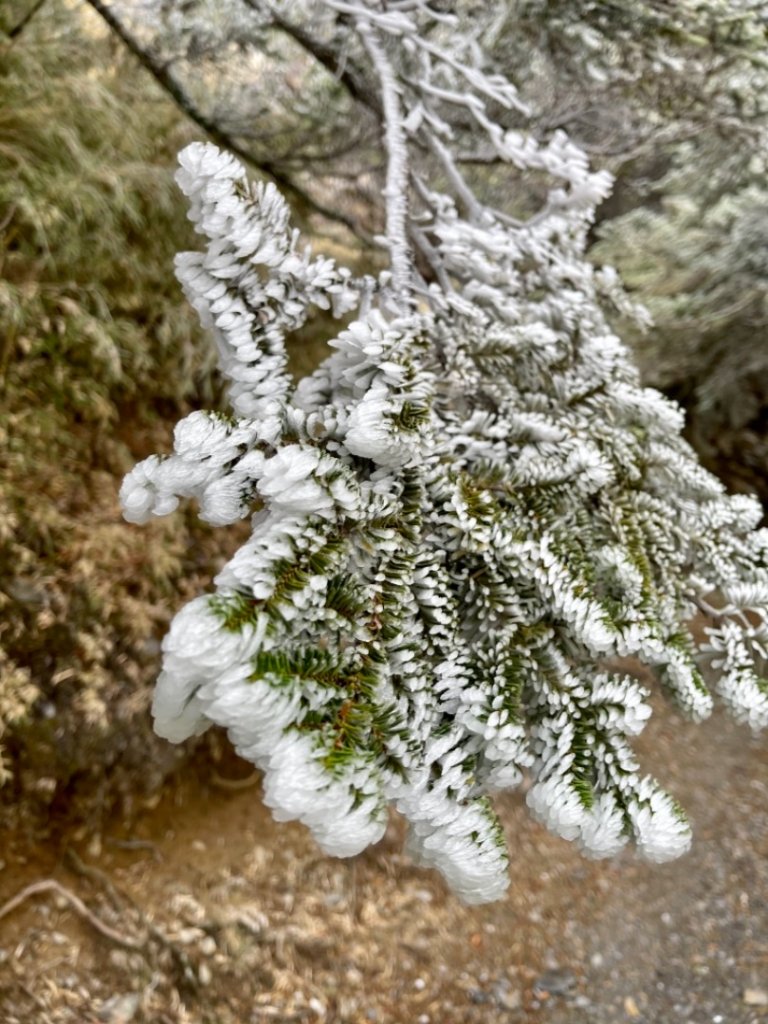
[(462, 518)]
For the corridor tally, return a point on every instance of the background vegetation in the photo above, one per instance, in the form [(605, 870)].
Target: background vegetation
[(98, 353)]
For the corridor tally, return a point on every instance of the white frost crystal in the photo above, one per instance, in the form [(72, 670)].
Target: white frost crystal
[(460, 520)]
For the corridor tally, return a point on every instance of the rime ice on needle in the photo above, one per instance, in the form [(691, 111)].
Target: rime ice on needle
[(459, 520)]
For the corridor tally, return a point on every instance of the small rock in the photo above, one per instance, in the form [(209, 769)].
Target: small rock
[(207, 946), (45, 787), (204, 974), (631, 1008), (755, 997), (189, 935), (554, 983), (25, 592), (507, 998), (120, 1009), (188, 908)]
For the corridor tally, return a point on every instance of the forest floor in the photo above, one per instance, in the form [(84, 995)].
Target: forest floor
[(217, 915)]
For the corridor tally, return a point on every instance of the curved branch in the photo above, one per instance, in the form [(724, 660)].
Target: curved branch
[(160, 71)]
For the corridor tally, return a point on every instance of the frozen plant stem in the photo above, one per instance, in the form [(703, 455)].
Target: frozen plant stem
[(396, 188)]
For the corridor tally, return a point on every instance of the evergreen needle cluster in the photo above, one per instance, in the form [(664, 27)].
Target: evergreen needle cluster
[(461, 519)]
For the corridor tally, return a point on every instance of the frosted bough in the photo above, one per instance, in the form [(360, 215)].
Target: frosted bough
[(463, 518)]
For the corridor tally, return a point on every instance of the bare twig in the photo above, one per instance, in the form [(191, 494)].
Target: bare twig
[(234, 784), (49, 885), (328, 55), (14, 32), (136, 844), (121, 900)]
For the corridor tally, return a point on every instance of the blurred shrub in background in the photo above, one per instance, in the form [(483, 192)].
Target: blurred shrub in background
[(97, 352)]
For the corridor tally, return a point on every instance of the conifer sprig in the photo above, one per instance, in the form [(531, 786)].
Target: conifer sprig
[(459, 519)]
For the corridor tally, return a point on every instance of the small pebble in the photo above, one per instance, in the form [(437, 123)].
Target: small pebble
[(419, 984), (204, 974), (554, 983), (120, 1009), (631, 1008), (755, 997), (508, 998), (207, 946)]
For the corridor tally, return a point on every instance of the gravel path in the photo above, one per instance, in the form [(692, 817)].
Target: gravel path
[(231, 919)]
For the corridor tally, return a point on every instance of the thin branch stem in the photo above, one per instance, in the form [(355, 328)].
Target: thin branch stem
[(14, 32), (49, 885), (396, 187), (327, 55), (464, 192)]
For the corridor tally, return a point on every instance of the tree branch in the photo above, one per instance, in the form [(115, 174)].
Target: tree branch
[(18, 28), (162, 74), (331, 58), (396, 188)]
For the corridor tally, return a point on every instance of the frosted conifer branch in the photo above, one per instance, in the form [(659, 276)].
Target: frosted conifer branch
[(460, 520)]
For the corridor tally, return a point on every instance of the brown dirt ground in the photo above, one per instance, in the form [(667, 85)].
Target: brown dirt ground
[(238, 920)]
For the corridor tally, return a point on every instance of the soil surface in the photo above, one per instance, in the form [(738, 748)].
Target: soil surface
[(210, 913)]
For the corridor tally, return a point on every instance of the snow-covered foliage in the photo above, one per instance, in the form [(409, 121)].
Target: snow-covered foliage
[(461, 519)]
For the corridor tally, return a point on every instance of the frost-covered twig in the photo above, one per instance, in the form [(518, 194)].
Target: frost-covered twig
[(396, 189)]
